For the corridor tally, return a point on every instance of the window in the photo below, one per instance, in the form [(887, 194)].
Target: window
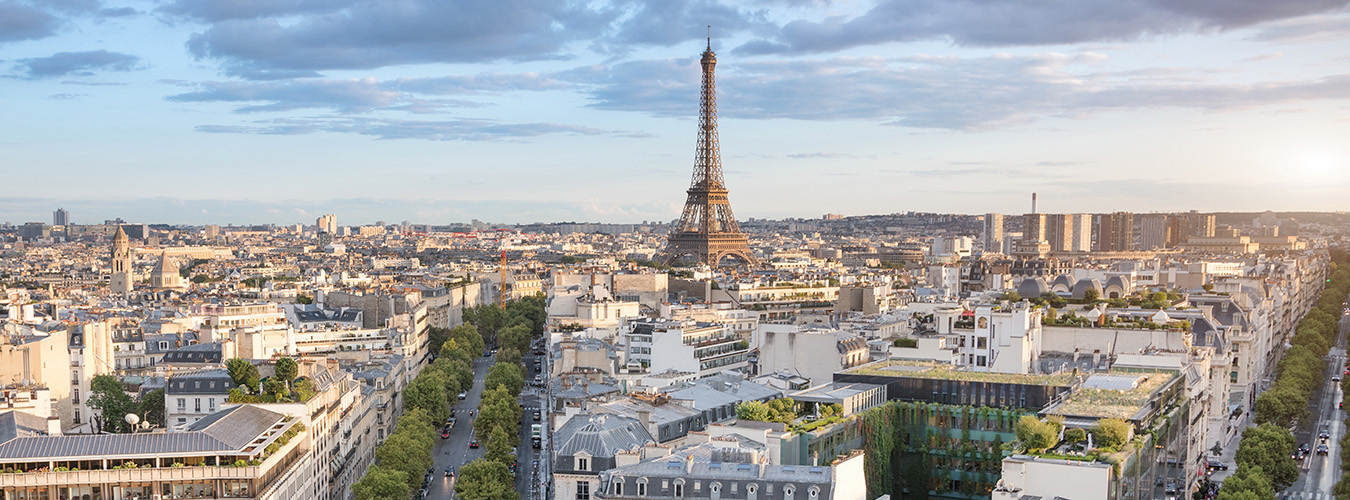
[(814, 493), (211, 404), (75, 396), (750, 491), (788, 491), (163, 345), (642, 488), (77, 415), (981, 343), (618, 486), (182, 404), (583, 464), (583, 490), (197, 404), (679, 489)]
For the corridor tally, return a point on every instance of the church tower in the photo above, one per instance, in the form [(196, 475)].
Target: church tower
[(121, 263)]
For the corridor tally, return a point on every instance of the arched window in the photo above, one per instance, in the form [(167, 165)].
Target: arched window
[(813, 493), (617, 486), (788, 491), (751, 490), (715, 490), (642, 487), (679, 488)]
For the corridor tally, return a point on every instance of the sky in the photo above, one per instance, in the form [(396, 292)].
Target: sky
[(519, 111)]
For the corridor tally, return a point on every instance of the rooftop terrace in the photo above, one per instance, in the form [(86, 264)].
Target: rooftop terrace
[(921, 369)]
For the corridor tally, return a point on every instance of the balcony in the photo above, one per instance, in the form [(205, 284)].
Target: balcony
[(128, 476)]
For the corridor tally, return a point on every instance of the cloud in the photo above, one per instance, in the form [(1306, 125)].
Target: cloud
[(66, 97), (1026, 22), (807, 156), (19, 21), (77, 63), (363, 95), (365, 34), (388, 128), (1306, 29), (1264, 57), (930, 92), (302, 38)]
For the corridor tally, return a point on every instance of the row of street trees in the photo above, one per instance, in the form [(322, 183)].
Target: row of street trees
[(427, 402), (497, 426), (1264, 456)]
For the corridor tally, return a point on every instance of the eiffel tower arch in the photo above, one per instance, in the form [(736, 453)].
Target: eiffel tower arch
[(707, 230)]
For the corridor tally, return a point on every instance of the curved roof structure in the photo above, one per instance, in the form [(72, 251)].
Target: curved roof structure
[(1032, 287), (1085, 284)]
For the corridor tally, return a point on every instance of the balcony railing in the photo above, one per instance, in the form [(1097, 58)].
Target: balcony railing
[(139, 475)]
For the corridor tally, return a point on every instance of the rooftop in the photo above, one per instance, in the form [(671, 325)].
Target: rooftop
[(921, 369), (1114, 395)]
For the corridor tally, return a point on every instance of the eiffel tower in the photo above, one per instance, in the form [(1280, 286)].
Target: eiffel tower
[(707, 230)]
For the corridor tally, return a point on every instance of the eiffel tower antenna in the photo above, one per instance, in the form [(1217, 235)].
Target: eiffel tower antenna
[(707, 229)]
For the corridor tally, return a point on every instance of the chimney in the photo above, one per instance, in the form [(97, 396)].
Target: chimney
[(1033, 203), (645, 416), (53, 426)]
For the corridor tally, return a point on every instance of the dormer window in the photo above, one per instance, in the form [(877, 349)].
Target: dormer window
[(617, 486), (788, 491)]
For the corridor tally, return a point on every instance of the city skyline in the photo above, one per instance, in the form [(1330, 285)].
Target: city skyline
[(239, 112)]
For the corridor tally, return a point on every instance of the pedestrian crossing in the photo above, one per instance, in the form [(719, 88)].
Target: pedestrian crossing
[(1308, 495)]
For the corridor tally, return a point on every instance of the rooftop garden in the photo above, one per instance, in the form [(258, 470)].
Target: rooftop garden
[(1108, 403), (920, 369)]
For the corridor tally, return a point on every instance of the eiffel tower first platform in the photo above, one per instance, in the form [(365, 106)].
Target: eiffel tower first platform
[(707, 229)]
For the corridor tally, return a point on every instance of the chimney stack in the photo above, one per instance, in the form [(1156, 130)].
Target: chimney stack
[(645, 417), (53, 426), (1033, 203)]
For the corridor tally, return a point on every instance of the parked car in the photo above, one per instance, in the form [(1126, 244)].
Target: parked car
[(537, 416), (463, 396), (445, 433), (1171, 488), (473, 443), (1217, 465)]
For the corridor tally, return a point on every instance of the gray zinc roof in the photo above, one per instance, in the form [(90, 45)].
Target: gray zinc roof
[(601, 435), (226, 431)]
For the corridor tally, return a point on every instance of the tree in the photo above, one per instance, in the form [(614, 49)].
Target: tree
[(1091, 295), (449, 375), (500, 444), (1035, 434), (468, 337), (1247, 483), (510, 356), (1269, 447), (381, 483), (301, 299), (407, 454), (498, 408), (287, 370), (516, 336), (417, 423), (485, 480), (437, 337), (1110, 434), (487, 319), (1010, 297), (427, 392), (754, 410), (244, 373), (1281, 406), (112, 402), (276, 388), (510, 375), (151, 407)]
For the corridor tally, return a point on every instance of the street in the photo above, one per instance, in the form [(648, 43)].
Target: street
[(1322, 471), (455, 450)]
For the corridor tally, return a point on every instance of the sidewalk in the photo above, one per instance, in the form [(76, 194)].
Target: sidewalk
[(1230, 451)]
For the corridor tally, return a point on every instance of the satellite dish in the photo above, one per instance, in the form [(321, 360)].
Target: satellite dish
[(133, 419)]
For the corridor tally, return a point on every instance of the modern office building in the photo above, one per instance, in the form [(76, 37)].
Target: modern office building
[(60, 217), (993, 233)]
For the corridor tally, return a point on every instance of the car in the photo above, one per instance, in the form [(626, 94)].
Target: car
[(1322, 449), (422, 494), (445, 433), (1335, 378), (1323, 435), (538, 416), (463, 396), (1216, 465), (486, 353), (473, 443), (450, 471), (1171, 488)]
